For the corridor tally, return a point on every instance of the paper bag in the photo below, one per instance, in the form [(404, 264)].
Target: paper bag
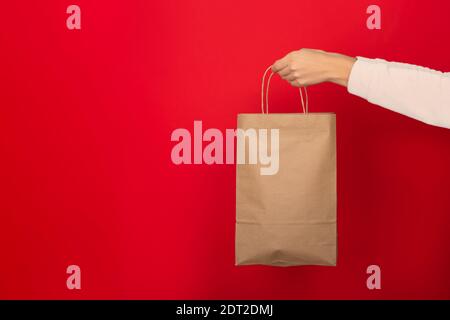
[(288, 218)]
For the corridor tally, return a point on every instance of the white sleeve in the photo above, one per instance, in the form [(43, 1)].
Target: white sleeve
[(417, 92)]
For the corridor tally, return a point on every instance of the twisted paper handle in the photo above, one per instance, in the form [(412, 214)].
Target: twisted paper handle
[(266, 110)]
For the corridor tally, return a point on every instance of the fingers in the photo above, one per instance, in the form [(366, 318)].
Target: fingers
[(291, 76), (279, 65), (284, 67), (284, 72)]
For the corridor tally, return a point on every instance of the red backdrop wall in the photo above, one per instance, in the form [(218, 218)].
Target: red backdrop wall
[(86, 176)]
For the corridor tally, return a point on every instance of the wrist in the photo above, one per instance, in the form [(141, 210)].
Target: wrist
[(339, 68)]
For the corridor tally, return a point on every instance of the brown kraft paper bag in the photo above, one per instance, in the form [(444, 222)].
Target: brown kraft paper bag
[(288, 218)]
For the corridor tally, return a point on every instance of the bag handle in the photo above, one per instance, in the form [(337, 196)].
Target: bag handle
[(304, 102)]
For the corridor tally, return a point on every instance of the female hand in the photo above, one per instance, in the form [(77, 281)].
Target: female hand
[(309, 66)]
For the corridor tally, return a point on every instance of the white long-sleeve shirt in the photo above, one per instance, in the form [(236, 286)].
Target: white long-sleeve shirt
[(417, 92)]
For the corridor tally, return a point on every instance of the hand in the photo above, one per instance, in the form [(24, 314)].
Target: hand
[(308, 66)]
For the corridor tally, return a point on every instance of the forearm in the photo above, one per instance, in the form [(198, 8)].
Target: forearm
[(414, 91)]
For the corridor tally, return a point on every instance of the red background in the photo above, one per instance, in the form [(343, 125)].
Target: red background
[(85, 171)]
